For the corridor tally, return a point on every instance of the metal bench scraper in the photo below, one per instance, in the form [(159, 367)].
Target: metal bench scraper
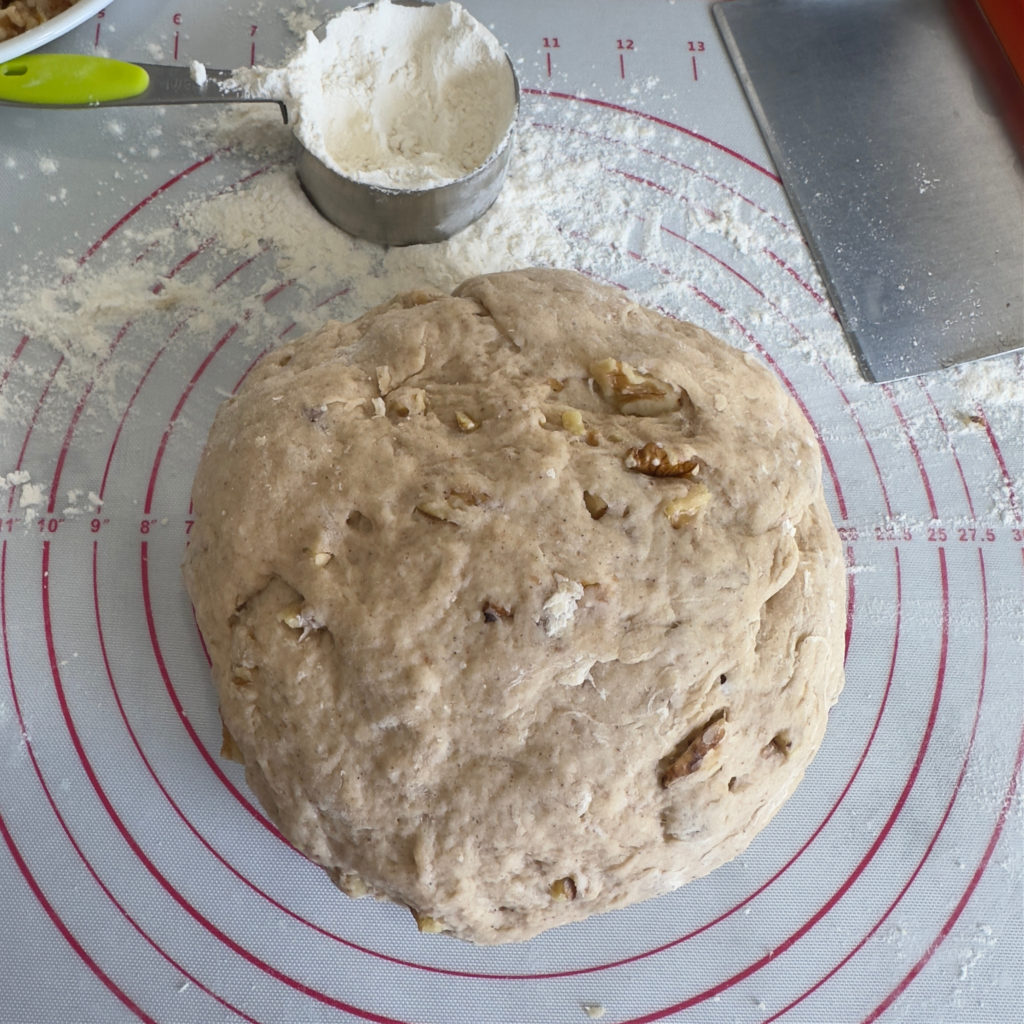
[(887, 123)]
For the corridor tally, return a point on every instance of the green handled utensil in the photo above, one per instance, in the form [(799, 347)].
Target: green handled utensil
[(78, 80)]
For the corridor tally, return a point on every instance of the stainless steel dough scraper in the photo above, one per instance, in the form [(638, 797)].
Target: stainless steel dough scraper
[(892, 125)]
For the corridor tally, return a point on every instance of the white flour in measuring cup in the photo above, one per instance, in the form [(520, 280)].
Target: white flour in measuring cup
[(396, 96)]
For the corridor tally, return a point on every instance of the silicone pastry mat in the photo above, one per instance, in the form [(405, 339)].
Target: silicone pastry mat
[(150, 256)]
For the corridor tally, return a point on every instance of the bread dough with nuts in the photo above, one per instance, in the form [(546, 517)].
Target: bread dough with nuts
[(523, 603)]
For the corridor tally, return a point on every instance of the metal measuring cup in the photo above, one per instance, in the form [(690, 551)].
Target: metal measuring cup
[(387, 216), (405, 216), (393, 216)]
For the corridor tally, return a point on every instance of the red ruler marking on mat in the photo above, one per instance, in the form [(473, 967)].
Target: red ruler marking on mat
[(142, 204), (961, 904), (829, 904), (165, 883), (1011, 493), (32, 424), (938, 832), (22, 864)]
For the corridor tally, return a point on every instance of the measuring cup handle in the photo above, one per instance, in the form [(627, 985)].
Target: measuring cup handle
[(57, 79), (80, 80)]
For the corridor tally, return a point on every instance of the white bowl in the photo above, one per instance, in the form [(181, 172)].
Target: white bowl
[(57, 26)]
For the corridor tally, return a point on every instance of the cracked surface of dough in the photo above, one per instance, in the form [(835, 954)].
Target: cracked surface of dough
[(523, 603)]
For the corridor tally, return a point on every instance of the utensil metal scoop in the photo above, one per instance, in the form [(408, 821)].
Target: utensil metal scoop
[(387, 216)]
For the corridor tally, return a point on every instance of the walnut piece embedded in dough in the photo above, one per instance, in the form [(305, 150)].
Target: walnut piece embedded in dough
[(512, 619)]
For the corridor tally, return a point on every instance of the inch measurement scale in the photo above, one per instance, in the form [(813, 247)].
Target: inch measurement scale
[(139, 878)]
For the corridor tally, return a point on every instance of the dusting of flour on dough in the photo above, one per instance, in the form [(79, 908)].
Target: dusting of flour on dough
[(559, 609)]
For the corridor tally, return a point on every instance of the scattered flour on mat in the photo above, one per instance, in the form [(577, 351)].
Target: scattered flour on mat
[(31, 496), (17, 478)]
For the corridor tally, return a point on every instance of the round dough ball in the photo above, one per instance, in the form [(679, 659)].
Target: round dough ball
[(523, 602)]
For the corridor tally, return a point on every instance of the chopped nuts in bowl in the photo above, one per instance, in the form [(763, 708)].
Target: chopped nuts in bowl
[(26, 25)]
